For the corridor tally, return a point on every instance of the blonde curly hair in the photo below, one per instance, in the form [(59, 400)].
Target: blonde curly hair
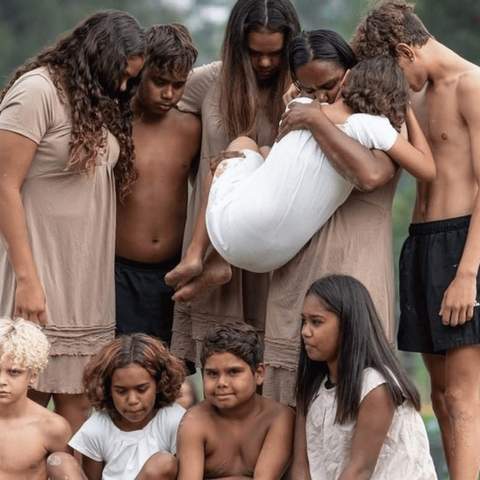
[(24, 342)]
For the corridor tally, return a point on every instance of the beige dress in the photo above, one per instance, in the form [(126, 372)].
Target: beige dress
[(244, 297), (357, 241), (70, 218)]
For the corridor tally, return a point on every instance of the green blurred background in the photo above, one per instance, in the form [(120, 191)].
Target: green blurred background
[(28, 25)]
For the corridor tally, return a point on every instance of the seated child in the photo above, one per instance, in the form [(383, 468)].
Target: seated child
[(28, 432), (132, 383), (357, 410), (260, 213), (235, 433)]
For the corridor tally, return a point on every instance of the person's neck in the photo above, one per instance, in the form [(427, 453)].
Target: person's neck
[(15, 410), (240, 412), (332, 371), (440, 61)]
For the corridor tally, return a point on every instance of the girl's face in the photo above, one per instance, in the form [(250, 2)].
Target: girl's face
[(265, 49), (321, 78), (134, 392), (320, 330)]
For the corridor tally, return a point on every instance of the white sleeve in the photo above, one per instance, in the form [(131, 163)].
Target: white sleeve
[(371, 379), (89, 440), (170, 420), (373, 131)]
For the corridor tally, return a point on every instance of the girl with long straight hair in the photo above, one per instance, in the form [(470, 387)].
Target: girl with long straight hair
[(358, 411)]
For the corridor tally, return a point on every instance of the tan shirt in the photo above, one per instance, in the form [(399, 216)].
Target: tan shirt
[(70, 217)]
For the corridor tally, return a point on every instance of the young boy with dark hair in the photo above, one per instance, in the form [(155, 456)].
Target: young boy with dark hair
[(235, 433), (440, 259), (151, 221)]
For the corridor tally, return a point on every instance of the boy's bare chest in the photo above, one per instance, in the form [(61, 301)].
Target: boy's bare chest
[(234, 451), (439, 116), (22, 453)]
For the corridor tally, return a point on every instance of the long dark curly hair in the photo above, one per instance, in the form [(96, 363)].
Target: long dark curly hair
[(378, 86), (140, 349), (86, 67)]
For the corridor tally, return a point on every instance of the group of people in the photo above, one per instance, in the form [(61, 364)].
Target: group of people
[(273, 272)]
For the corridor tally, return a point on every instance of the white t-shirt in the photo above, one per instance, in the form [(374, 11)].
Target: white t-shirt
[(125, 453), (405, 454)]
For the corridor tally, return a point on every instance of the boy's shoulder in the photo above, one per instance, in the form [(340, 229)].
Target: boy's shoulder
[(469, 81), (55, 428), (276, 410), (189, 123)]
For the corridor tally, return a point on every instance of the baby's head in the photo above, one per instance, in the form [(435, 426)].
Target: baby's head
[(232, 365), (23, 355), (378, 86), (132, 377)]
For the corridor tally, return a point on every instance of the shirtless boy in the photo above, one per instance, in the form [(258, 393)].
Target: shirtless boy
[(150, 223), (29, 432), (235, 434), (440, 259)]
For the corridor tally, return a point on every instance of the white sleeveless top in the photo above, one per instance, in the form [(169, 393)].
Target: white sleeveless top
[(404, 455)]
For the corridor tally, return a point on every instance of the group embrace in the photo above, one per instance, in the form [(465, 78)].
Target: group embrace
[(236, 217)]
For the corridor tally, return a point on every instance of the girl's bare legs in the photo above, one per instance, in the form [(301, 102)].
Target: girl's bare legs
[(192, 275), (75, 408)]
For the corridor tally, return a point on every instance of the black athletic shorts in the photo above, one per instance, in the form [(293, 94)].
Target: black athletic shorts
[(428, 264), (143, 300)]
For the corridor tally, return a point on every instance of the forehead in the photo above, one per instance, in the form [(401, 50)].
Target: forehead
[(224, 360), (131, 375), (166, 74), (8, 361), (318, 72), (265, 41), (313, 305)]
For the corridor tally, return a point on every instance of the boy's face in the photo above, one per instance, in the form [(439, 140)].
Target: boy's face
[(160, 90), (133, 393), (14, 380), (410, 62), (228, 381)]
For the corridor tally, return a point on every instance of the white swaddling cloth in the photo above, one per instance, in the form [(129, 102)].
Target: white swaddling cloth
[(261, 213)]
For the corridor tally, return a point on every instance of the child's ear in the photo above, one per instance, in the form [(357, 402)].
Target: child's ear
[(405, 51), (260, 374), (33, 378)]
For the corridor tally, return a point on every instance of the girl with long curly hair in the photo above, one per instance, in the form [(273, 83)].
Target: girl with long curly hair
[(64, 128), (132, 383)]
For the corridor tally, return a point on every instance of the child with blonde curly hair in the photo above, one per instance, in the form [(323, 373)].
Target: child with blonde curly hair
[(29, 431), (132, 383)]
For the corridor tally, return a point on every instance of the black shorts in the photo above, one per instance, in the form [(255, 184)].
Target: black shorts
[(143, 300), (428, 264)]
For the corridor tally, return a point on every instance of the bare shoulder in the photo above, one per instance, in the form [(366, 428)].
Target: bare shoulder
[(196, 418), (276, 411), (55, 428), (469, 83), (189, 123)]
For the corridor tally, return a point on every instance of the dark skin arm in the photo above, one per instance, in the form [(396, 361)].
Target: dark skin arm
[(373, 422), (365, 169), (299, 469)]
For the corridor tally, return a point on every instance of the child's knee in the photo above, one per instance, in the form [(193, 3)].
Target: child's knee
[(161, 466), (243, 143)]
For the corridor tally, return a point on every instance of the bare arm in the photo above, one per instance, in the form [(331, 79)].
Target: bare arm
[(365, 169), (93, 469), (277, 447), (58, 434), (191, 448), (460, 297), (373, 422), (16, 156), (414, 155), (300, 469)]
